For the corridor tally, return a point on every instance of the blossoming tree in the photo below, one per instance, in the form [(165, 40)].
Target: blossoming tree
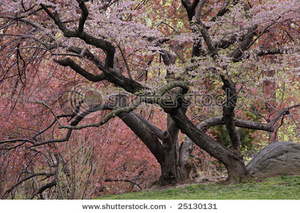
[(160, 54)]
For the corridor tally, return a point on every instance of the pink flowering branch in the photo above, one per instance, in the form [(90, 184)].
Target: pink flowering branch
[(99, 43)]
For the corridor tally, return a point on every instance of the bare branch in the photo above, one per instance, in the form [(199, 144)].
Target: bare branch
[(25, 179), (222, 11), (226, 42), (88, 55), (74, 123), (156, 98), (277, 51), (144, 133), (55, 17), (203, 29), (99, 43), (282, 112), (44, 187), (246, 43), (199, 9), (108, 74), (186, 3), (157, 131), (206, 124), (269, 127), (159, 93), (248, 40), (107, 117), (61, 140), (31, 23), (48, 127), (32, 140), (69, 62), (190, 7), (84, 15), (17, 140), (194, 5), (123, 57), (48, 46)]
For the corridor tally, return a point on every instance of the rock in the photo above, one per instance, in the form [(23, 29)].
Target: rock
[(279, 158)]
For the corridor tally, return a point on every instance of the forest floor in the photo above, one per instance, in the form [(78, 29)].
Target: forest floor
[(281, 187)]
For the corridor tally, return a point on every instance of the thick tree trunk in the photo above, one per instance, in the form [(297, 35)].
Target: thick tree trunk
[(145, 134), (176, 167), (174, 174), (172, 158), (233, 162), (237, 171), (185, 165)]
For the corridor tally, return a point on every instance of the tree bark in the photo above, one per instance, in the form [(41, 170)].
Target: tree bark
[(170, 146), (234, 164), (237, 171), (173, 159), (177, 167)]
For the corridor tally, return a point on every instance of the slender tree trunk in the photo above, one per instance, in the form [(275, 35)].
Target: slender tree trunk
[(236, 168)]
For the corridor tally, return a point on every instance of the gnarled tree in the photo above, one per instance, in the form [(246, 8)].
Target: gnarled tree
[(161, 59)]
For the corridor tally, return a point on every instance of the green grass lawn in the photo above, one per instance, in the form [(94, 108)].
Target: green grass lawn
[(282, 187)]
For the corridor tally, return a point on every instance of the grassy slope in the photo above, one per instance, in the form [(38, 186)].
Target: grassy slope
[(282, 187)]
